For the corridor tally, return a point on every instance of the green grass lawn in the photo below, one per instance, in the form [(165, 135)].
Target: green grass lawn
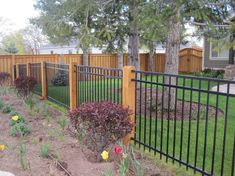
[(104, 90)]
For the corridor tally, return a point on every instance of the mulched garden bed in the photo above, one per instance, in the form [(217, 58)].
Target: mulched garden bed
[(68, 154), (184, 109)]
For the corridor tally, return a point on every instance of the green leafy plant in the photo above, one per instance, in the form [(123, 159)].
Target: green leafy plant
[(44, 109), (22, 154), (20, 129), (211, 73), (44, 150), (7, 109), (1, 104), (60, 79), (62, 122), (20, 119), (13, 113), (124, 167), (30, 102), (34, 141), (108, 172)]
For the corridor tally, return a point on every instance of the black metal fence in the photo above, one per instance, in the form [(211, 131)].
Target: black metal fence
[(35, 71), (98, 84), (57, 82), (188, 120), (22, 70)]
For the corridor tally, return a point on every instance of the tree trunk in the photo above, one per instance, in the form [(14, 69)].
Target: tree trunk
[(133, 43), (151, 63), (85, 57), (172, 60), (133, 51), (120, 59), (231, 56)]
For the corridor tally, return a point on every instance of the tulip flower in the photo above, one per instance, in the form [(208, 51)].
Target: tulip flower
[(2, 147), (105, 155), (15, 118), (118, 150)]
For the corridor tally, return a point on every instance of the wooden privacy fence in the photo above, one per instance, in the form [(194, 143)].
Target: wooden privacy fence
[(190, 60)]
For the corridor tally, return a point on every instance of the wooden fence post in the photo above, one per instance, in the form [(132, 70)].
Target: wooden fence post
[(17, 70), (44, 81), (128, 94), (28, 69), (73, 85)]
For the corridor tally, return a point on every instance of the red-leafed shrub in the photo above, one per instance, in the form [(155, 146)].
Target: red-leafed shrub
[(4, 78), (101, 124), (25, 85)]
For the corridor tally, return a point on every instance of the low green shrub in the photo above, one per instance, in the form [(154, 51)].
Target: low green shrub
[(20, 129), (61, 78), (211, 73)]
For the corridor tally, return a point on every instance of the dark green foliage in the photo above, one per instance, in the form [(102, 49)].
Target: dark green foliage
[(1, 104), (61, 78), (211, 73), (7, 109)]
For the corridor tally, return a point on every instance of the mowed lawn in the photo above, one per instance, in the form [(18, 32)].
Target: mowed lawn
[(184, 147)]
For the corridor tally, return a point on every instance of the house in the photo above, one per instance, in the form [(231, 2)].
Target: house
[(70, 48), (215, 59)]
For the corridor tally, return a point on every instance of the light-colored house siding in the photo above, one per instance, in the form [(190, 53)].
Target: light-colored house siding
[(210, 62)]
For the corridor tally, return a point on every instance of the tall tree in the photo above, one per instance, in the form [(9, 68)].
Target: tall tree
[(63, 21), (111, 28), (33, 39), (13, 43), (175, 14)]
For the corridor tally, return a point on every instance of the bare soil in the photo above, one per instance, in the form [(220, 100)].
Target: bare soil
[(63, 145)]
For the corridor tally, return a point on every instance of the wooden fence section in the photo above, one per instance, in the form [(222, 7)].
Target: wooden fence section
[(190, 60)]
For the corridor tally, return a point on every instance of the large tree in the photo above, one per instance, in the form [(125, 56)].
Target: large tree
[(13, 43), (174, 15), (33, 39), (63, 21)]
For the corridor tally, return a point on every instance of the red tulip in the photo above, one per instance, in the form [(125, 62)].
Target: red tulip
[(118, 150)]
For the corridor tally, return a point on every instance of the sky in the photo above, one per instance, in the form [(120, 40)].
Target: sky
[(17, 12)]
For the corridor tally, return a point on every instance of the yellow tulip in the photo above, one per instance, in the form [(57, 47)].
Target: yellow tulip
[(2, 147), (105, 155), (15, 118)]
